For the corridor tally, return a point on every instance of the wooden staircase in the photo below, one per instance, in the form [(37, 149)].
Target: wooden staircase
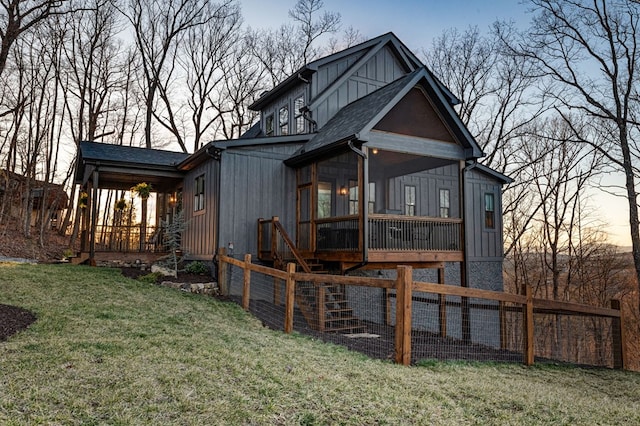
[(324, 306)]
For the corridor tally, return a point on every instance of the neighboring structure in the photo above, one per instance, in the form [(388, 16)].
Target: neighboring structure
[(361, 157), (45, 200)]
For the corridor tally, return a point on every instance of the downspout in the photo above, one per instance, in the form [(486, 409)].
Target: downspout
[(216, 155), (365, 211)]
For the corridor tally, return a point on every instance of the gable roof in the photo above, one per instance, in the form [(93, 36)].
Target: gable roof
[(355, 121), (106, 153), (409, 61)]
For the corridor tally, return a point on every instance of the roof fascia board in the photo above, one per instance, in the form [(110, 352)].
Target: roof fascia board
[(267, 140), (504, 179), (315, 65), (413, 145), (280, 88)]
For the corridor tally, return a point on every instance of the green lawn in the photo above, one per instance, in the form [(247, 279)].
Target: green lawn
[(109, 350)]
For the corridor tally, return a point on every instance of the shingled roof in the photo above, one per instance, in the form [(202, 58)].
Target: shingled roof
[(128, 154)]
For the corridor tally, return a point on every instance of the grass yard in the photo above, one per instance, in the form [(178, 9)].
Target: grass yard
[(110, 350)]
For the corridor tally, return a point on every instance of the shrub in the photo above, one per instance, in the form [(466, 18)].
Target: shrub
[(151, 278), (196, 267)]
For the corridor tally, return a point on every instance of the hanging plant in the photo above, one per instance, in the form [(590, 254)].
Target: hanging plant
[(83, 200), (121, 204), (142, 190)]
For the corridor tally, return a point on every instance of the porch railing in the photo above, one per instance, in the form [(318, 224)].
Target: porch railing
[(126, 239), (408, 233), (338, 234)]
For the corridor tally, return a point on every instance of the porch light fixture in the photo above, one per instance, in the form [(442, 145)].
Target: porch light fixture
[(343, 190), (374, 151)]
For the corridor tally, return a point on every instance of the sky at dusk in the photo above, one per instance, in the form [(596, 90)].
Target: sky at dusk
[(417, 23)]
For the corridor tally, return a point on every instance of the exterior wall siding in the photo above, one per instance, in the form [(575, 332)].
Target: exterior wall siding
[(428, 184), (483, 243), (255, 184), (199, 236), (381, 69)]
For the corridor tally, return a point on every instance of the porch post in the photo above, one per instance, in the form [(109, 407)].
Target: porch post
[(464, 268), (94, 217)]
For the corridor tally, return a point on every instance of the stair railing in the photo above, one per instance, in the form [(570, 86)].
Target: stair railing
[(281, 235)]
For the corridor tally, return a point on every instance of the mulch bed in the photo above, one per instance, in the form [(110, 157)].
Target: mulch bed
[(182, 277), (13, 320)]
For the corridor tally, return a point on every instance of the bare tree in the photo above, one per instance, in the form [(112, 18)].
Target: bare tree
[(19, 16), (209, 49), (589, 53), (160, 28), (284, 50)]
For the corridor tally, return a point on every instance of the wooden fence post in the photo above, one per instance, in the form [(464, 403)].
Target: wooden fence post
[(322, 314), (528, 330), (404, 285), (246, 285), (223, 285), (619, 343), (290, 294), (502, 314)]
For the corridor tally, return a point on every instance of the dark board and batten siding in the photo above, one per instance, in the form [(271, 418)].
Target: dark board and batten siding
[(483, 243), (199, 238), (379, 70), (255, 184)]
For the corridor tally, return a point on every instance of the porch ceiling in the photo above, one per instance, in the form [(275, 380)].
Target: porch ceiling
[(124, 178)]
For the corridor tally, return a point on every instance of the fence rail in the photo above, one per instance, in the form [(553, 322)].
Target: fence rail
[(505, 324)]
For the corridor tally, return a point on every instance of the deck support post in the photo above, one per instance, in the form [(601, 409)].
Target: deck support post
[(442, 303), (404, 285)]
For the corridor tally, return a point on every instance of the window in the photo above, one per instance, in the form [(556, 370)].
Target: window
[(324, 199), (198, 202), (283, 116), (489, 211), (353, 197), (445, 205), (372, 197), (410, 200), (268, 125), (298, 104)]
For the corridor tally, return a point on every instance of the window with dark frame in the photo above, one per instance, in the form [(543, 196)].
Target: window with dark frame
[(410, 200), (198, 202), (353, 197), (489, 211), (268, 125), (298, 103), (445, 203), (283, 117)]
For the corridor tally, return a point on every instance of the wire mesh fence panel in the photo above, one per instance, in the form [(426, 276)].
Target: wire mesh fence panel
[(446, 327), (347, 315), (585, 340)]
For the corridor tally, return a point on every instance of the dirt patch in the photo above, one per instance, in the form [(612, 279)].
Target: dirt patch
[(14, 319)]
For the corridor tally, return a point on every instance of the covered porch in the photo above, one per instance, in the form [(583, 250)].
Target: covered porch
[(375, 208)]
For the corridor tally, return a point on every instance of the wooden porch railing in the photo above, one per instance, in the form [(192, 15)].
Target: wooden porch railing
[(338, 234), (411, 233), (126, 239), (275, 244)]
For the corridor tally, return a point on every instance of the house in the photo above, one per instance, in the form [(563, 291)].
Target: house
[(358, 162), (46, 200)]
